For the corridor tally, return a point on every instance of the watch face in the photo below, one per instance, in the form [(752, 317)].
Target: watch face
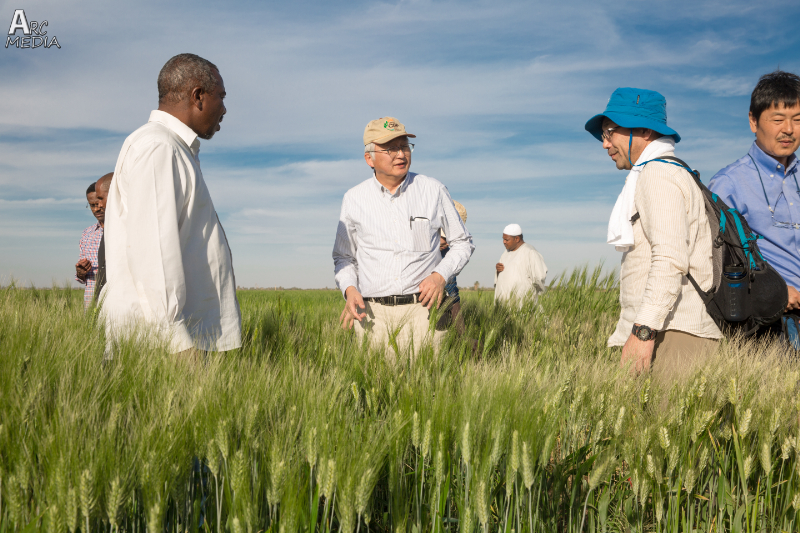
[(644, 333)]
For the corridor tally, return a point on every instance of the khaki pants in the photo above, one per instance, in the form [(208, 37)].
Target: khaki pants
[(409, 325), (677, 354)]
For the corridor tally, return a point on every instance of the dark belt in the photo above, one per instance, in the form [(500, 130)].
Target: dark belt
[(404, 299)]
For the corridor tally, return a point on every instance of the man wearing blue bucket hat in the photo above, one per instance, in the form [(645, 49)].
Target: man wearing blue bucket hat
[(660, 224)]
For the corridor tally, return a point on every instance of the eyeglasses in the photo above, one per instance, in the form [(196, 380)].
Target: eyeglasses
[(778, 223), (405, 148), (606, 134)]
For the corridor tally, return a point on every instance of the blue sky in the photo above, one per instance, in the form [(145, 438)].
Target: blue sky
[(496, 92)]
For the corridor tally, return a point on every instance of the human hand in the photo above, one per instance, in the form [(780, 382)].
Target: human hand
[(432, 290), (82, 268), (639, 352), (499, 267), (794, 299), (350, 313)]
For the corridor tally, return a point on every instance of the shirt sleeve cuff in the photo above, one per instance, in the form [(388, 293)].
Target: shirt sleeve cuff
[(347, 283), (651, 316), (444, 271)]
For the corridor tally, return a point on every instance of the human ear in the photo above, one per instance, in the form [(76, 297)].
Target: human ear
[(368, 159), (196, 97), (753, 122)]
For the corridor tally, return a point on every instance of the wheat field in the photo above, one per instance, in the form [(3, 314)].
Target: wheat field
[(305, 429)]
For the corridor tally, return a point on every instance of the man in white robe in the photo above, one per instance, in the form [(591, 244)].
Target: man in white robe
[(521, 270), (169, 266)]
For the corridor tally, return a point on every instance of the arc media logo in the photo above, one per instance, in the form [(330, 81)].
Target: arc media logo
[(33, 35)]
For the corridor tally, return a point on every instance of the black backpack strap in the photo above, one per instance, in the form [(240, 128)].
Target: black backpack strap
[(693, 172), (673, 158), (705, 296)]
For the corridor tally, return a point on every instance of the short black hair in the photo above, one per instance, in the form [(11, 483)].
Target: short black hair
[(776, 88), (91, 188)]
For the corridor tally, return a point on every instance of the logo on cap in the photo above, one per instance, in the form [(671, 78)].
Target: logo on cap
[(390, 125)]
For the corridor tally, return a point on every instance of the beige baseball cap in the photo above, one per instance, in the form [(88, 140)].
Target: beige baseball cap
[(384, 130), (462, 211)]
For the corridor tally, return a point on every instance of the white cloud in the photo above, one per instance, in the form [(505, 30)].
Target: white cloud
[(724, 85)]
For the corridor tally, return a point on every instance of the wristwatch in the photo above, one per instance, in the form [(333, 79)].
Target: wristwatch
[(643, 333)]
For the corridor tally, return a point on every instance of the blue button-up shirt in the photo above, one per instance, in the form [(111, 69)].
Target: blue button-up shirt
[(739, 187)]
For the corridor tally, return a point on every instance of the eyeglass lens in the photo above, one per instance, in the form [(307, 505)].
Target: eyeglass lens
[(407, 148), (778, 223)]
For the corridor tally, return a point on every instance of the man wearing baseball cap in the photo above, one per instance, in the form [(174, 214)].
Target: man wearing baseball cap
[(660, 224), (386, 256)]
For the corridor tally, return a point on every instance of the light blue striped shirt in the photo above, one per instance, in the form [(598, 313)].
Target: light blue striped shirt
[(386, 244)]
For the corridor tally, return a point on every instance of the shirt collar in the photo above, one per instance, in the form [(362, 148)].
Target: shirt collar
[(181, 130), (766, 161), (403, 186)]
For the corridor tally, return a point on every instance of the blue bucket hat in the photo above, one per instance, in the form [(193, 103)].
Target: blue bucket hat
[(634, 108)]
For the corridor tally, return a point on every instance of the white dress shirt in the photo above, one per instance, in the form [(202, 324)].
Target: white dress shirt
[(524, 271), (386, 244), (168, 263)]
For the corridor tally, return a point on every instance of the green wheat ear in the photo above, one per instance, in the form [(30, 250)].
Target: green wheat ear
[(155, 517), (114, 499), (426, 440), (86, 496), (415, 431), (73, 517)]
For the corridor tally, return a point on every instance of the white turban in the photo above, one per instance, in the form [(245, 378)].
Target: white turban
[(513, 230)]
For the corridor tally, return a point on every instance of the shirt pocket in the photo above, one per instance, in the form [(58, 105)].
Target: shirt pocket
[(420, 234)]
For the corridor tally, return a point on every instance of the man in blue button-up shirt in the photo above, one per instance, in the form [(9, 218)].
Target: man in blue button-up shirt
[(763, 185)]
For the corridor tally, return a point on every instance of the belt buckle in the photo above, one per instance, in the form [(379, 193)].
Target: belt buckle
[(394, 300)]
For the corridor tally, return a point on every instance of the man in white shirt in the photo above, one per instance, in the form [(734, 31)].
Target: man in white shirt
[(521, 270), (169, 265), (386, 255)]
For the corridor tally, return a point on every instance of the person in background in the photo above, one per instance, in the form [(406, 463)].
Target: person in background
[(386, 256), (659, 221), (101, 188), (86, 267), (763, 185), (168, 262), (451, 289), (521, 270)]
